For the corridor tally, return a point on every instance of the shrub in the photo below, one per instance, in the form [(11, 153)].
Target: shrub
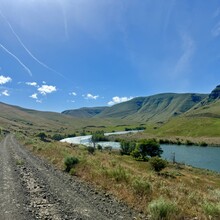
[(141, 187), (58, 137), (157, 163), (211, 209), (119, 174), (99, 147), (70, 162), (72, 171), (189, 143), (146, 148), (203, 144), (91, 150), (42, 136), (127, 147), (162, 209)]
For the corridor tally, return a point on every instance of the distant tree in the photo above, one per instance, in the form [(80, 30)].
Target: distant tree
[(98, 136), (42, 136), (58, 137)]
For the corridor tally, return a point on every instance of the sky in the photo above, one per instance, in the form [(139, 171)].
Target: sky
[(66, 54)]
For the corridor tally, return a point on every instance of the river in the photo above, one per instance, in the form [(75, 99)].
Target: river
[(201, 157)]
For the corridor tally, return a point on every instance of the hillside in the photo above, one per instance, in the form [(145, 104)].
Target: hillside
[(85, 112), (156, 108), (14, 118), (202, 120)]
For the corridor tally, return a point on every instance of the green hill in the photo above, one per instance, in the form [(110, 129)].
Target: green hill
[(14, 118), (168, 114), (156, 108), (85, 112)]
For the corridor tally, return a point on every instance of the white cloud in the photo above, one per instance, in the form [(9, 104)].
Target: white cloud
[(45, 89), (34, 96), (116, 100), (73, 93), (90, 96), (5, 93), (4, 79), (31, 84)]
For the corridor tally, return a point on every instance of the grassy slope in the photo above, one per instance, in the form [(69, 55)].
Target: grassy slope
[(134, 182), (84, 112), (202, 121), (157, 108), (15, 118)]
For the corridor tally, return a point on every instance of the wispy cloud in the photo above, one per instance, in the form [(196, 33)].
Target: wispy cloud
[(216, 13), (90, 96), (116, 100), (34, 96), (46, 89), (16, 58), (216, 30), (4, 79), (188, 47), (5, 93), (31, 84), (26, 49), (73, 93)]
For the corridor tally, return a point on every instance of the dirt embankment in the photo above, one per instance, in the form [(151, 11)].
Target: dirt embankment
[(32, 189)]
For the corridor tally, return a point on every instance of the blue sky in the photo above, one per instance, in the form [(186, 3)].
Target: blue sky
[(65, 54)]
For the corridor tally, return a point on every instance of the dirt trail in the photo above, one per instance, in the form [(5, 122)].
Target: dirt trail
[(32, 189)]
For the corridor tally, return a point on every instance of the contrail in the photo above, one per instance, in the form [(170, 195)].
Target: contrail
[(16, 58), (26, 49)]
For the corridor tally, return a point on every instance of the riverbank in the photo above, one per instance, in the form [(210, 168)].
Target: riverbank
[(192, 192), (184, 140)]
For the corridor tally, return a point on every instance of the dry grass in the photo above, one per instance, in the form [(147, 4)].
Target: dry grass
[(134, 182)]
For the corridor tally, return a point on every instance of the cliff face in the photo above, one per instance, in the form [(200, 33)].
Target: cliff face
[(215, 94)]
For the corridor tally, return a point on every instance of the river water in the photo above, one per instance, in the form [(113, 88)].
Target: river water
[(202, 157)]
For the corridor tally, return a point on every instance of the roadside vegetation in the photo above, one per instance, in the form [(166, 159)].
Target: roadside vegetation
[(159, 189)]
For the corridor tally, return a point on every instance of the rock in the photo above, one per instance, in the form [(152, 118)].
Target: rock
[(215, 94)]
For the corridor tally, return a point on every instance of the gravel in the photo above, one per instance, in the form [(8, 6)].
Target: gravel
[(30, 188)]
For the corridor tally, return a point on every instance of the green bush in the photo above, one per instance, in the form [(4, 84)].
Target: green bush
[(127, 147), (91, 150), (145, 148), (157, 163), (203, 144), (119, 174), (212, 209), (161, 209), (70, 162), (72, 171), (141, 187), (58, 137), (99, 147)]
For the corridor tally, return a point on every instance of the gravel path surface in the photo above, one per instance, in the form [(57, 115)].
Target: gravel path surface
[(32, 189)]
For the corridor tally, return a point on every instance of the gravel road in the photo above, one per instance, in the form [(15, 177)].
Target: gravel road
[(32, 189)]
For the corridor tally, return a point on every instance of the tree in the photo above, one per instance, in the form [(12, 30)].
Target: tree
[(98, 136), (145, 148), (42, 136)]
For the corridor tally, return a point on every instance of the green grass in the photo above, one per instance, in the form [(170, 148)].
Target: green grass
[(162, 209), (135, 183)]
